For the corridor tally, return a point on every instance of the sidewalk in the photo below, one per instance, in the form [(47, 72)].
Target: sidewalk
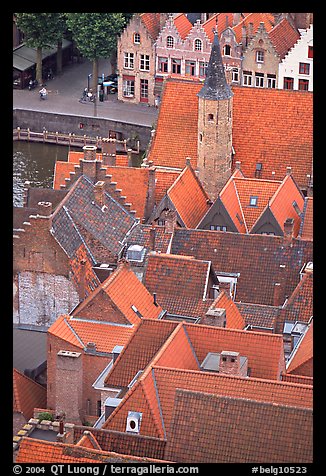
[(66, 90)]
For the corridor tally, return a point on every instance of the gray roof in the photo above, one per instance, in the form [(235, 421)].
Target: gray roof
[(24, 57), (215, 86), (29, 348)]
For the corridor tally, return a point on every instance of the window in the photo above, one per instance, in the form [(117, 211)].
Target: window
[(176, 66), (202, 68), (190, 67), (210, 117), (218, 227), (304, 68), (161, 222), (200, 137), (170, 42), (259, 80), (137, 38), (162, 64), (303, 85), (198, 46), (259, 56), (310, 51), (235, 75), (144, 88), (144, 62), (253, 201), (288, 83), (129, 60), (271, 81), (227, 50), (259, 168), (128, 88), (247, 78)]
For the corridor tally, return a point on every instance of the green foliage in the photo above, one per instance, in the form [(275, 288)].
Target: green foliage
[(95, 34), (45, 416), (41, 30)]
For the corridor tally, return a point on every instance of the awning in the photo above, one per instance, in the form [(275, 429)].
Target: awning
[(24, 57)]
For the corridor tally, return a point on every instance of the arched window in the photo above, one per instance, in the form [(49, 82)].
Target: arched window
[(227, 50), (170, 42), (198, 45)]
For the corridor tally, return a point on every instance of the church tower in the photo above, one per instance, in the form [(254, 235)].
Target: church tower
[(214, 126)]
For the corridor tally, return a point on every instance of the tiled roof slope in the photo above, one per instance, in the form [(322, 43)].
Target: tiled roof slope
[(180, 282), (152, 23), (306, 229), (164, 179), (293, 378), (301, 362), (256, 257), (123, 290), (241, 431), (259, 315), (234, 319), (141, 235), (108, 227), (283, 37), (27, 394), (254, 18), (32, 450), (270, 144), (143, 345), (168, 380), (179, 106), (183, 25), (189, 198), (79, 332)]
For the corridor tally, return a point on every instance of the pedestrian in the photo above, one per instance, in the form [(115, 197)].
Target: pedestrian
[(85, 94)]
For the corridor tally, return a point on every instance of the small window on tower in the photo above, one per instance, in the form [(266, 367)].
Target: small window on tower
[(200, 137), (211, 117)]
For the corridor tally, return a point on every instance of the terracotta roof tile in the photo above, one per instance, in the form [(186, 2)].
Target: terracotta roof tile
[(164, 179), (189, 198), (61, 329), (242, 431), (283, 37), (152, 23), (88, 440), (306, 229), (27, 394), (302, 379), (182, 24), (234, 319), (223, 20), (301, 362)]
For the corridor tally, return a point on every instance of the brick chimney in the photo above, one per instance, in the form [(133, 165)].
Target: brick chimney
[(109, 151), (150, 196), (88, 163), (129, 154), (288, 228), (69, 378), (152, 237), (236, 18), (99, 193), (44, 212), (277, 295), (170, 217), (230, 363)]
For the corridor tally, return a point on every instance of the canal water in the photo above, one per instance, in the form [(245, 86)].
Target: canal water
[(35, 162)]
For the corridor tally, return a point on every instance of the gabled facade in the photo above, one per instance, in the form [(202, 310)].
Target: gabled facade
[(296, 68)]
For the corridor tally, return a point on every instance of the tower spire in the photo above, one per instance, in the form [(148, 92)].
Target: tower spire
[(215, 85)]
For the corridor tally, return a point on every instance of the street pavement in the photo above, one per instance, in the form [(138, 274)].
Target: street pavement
[(64, 92)]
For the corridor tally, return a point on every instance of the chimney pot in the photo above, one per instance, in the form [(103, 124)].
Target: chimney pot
[(99, 192), (238, 164), (288, 170), (89, 152), (44, 209)]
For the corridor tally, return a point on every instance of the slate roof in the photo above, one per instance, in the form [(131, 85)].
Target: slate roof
[(27, 394), (259, 315), (249, 255), (78, 215), (252, 145), (242, 431), (180, 282), (189, 197), (283, 36), (119, 292), (140, 235)]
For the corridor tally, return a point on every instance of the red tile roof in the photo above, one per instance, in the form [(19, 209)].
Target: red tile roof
[(299, 306), (223, 20), (182, 24), (27, 394), (88, 440), (179, 106), (234, 319), (283, 37), (301, 362), (306, 230), (189, 198), (152, 23), (164, 179), (116, 295)]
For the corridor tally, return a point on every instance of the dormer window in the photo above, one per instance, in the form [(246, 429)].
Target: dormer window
[(253, 201), (136, 38), (170, 42), (198, 45), (135, 253)]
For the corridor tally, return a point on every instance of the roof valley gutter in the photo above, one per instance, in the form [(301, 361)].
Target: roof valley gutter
[(75, 334)]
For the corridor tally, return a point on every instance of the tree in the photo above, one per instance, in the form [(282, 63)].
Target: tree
[(95, 35), (41, 31)]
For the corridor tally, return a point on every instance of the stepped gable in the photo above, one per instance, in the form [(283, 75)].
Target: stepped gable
[(249, 255), (242, 431), (27, 394)]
